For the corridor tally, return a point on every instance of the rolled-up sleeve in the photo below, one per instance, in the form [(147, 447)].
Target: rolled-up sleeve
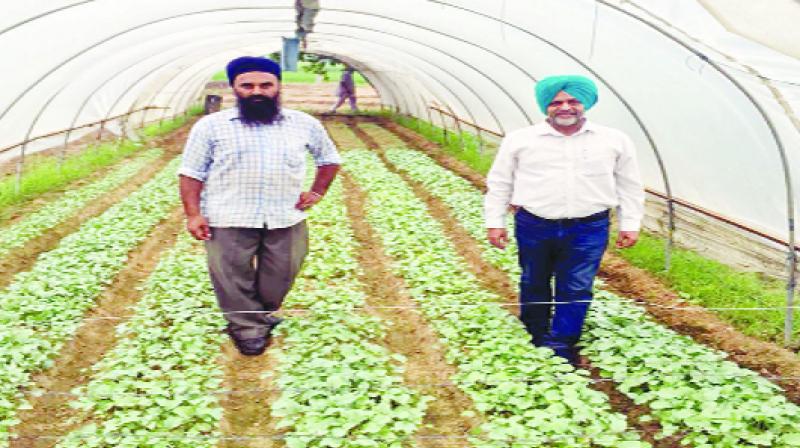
[(499, 183), (630, 192), (321, 147), (197, 154)]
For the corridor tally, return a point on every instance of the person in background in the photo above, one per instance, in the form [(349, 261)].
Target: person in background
[(561, 177), (241, 183), (346, 90)]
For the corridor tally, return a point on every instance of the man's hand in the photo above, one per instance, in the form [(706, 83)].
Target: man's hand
[(198, 226), (498, 238), (307, 199), (626, 239)]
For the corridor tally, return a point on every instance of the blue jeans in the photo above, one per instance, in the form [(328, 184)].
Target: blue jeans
[(570, 251)]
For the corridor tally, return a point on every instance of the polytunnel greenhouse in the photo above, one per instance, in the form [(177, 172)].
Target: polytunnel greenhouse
[(342, 175)]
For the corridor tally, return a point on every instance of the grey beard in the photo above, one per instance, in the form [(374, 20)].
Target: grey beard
[(564, 121)]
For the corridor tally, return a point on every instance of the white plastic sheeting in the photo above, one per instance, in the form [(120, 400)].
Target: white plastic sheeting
[(68, 62)]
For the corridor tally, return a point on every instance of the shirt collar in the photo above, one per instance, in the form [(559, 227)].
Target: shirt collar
[(544, 128)]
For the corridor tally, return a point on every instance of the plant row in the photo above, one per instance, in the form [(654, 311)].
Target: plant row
[(529, 397), (633, 350), (43, 307), (692, 389), (49, 216), (160, 378), (339, 387)]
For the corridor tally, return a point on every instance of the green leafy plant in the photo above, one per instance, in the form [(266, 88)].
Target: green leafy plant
[(466, 146), (52, 214), (43, 307), (339, 386), (158, 380)]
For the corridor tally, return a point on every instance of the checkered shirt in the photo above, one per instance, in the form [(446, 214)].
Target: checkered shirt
[(253, 174)]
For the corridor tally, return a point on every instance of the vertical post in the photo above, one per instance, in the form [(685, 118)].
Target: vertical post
[(100, 131), (63, 153), (444, 127), (144, 114), (480, 140), (20, 168), (430, 116), (791, 284), (459, 130), (668, 244), (123, 123)]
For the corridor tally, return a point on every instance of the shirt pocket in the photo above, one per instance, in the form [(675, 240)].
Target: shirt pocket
[(597, 162), (294, 160), (234, 154)]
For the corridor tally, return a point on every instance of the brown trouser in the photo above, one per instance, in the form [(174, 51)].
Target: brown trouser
[(246, 291)]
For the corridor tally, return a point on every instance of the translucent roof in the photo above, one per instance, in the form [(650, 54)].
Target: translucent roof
[(714, 115)]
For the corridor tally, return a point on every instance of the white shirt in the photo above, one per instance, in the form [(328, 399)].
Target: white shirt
[(556, 176)]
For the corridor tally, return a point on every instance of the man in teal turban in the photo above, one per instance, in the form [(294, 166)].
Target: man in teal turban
[(580, 87), (560, 178)]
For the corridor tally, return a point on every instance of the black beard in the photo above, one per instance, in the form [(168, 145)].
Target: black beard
[(259, 109)]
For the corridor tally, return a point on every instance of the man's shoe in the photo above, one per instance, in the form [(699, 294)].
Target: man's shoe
[(251, 347), (273, 322)]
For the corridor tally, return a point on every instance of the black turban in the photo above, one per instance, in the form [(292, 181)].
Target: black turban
[(247, 64)]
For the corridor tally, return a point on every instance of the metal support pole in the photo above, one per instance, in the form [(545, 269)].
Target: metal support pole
[(457, 126), (480, 141), (430, 116), (144, 114), (100, 131), (444, 127), (791, 284), (123, 123), (62, 155), (20, 166), (670, 234)]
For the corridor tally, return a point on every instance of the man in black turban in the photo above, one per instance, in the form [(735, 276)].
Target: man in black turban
[(242, 190), (255, 106)]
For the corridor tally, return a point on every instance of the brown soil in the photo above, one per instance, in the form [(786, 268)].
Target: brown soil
[(352, 119), (410, 335), (766, 358), (50, 413), (247, 404), (313, 97), (22, 259), (624, 405)]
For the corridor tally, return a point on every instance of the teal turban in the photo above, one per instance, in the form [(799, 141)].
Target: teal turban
[(581, 87)]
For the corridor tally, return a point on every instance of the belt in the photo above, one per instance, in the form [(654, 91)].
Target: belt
[(595, 217)]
